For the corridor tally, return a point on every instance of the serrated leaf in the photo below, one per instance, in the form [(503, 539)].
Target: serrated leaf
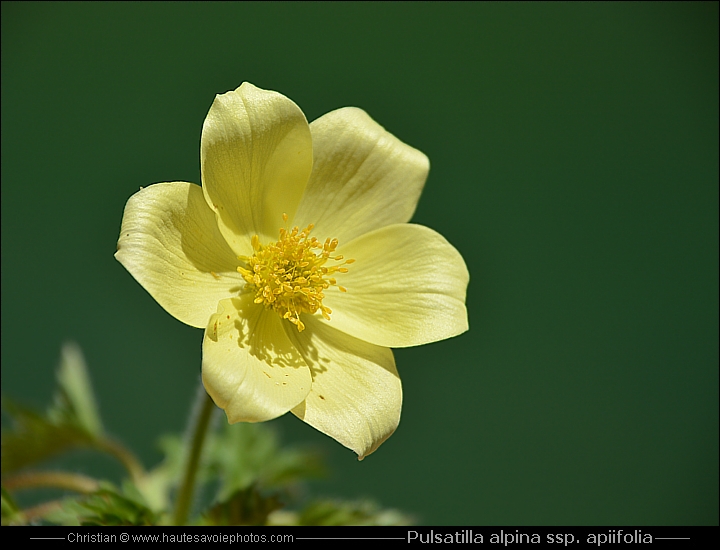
[(71, 421), (332, 512), (244, 507), (241, 455), (34, 437), (109, 507), (75, 400), (65, 514), (157, 484)]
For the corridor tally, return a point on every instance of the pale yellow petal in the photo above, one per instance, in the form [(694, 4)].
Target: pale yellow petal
[(249, 367), (256, 157), (406, 288), (170, 242), (363, 177), (356, 395)]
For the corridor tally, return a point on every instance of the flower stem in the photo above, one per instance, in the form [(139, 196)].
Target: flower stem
[(125, 456), (60, 480), (197, 430)]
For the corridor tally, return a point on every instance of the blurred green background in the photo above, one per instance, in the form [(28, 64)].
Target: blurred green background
[(574, 153)]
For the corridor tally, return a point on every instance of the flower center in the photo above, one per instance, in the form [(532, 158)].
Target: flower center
[(291, 274)]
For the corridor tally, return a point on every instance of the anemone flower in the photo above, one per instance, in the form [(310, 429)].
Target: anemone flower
[(297, 258)]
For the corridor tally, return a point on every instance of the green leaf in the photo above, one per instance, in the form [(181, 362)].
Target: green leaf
[(332, 512), (108, 506), (244, 507), (34, 437), (66, 513), (71, 421), (75, 400), (157, 484), (244, 454), (11, 514), (237, 456)]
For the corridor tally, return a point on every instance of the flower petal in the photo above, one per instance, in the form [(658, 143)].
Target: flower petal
[(406, 288), (249, 367), (170, 243), (356, 395), (256, 157), (363, 177)]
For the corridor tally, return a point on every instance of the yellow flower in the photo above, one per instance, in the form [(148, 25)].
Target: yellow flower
[(296, 258)]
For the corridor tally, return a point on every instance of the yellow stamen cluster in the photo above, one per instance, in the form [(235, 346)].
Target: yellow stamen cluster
[(290, 275)]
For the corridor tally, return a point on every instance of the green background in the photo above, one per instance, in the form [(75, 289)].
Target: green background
[(574, 153)]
